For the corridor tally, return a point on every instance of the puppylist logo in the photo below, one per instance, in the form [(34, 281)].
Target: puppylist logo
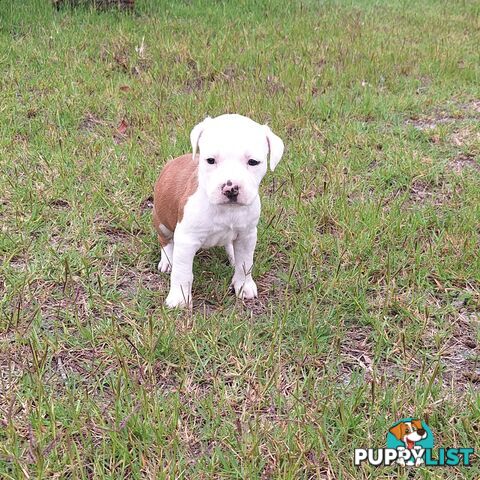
[(410, 443)]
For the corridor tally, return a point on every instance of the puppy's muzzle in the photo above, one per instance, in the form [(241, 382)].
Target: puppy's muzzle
[(230, 191)]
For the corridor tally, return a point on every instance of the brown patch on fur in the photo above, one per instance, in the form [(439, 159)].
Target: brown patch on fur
[(417, 424), (176, 183), (400, 430)]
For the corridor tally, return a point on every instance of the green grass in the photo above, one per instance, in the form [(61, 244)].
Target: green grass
[(367, 263)]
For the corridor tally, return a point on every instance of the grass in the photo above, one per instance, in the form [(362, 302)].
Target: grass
[(367, 262)]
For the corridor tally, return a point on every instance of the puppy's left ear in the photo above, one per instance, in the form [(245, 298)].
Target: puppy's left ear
[(275, 146), (196, 134), (397, 431)]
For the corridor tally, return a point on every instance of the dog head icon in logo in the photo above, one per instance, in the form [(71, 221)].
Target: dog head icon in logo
[(410, 434)]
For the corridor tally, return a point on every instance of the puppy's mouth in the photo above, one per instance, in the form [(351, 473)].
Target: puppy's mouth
[(233, 202)]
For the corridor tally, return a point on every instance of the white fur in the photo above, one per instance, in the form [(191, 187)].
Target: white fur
[(414, 437), (210, 218)]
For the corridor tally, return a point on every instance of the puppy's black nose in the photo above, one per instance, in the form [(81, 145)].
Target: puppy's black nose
[(230, 190), (421, 432)]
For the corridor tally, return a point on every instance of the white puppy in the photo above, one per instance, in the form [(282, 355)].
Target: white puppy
[(210, 199)]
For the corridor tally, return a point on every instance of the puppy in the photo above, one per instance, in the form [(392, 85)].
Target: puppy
[(211, 199), (409, 433)]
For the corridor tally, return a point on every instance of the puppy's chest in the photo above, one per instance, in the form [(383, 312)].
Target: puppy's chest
[(224, 236), (220, 227), (224, 229)]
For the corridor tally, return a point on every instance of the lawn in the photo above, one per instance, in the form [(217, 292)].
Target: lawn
[(367, 262)]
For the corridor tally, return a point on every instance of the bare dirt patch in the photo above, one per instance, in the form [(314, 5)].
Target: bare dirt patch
[(198, 80), (83, 365), (274, 85), (275, 186), (146, 205), (15, 360), (471, 107), (128, 281), (464, 162), (460, 355), (114, 234), (328, 225), (90, 122), (270, 286), (439, 116), (422, 192), (356, 352), (99, 4), (60, 204), (71, 298), (19, 262), (98, 127), (429, 123), (466, 136), (124, 56)]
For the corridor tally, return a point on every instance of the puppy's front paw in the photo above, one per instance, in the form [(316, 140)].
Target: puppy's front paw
[(178, 299), (164, 265), (245, 289)]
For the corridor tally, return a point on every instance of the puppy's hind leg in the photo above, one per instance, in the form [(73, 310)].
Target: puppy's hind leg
[(165, 264), (180, 294), (230, 253)]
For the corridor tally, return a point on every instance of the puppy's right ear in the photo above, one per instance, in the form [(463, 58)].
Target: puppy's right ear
[(275, 147), (196, 134)]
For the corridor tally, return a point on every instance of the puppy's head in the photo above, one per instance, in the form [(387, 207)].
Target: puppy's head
[(409, 432), (234, 152)]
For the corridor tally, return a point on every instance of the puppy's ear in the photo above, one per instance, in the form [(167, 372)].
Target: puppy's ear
[(196, 134), (417, 424), (397, 431), (275, 146)]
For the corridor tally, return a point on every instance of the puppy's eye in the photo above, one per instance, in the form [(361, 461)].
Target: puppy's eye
[(253, 162), (210, 161)]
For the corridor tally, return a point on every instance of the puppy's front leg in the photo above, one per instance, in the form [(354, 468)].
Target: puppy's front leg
[(244, 247), (180, 294)]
